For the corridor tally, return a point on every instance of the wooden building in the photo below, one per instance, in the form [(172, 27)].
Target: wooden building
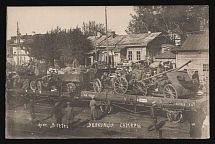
[(133, 47), (195, 48)]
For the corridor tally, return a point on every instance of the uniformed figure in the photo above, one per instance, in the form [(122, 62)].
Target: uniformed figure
[(154, 117), (58, 113), (92, 108), (70, 115), (196, 120), (32, 111), (195, 78)]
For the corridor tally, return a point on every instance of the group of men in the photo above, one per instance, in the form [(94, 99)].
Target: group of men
[(58, 112)]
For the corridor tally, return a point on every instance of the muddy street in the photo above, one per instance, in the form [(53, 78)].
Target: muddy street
[(118, 124)]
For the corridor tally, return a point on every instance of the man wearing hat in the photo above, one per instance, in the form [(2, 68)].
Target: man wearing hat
[(195, 79), (58, 113), (92, 108), (70, 115), (32, 110), (153, 116)]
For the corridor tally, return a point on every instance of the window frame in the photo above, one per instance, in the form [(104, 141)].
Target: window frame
[(129, 55), (205, 67), (138, 55)]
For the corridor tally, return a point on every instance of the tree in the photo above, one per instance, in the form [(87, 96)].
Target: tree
[(91, 28), (77, 45), (70, 44), (166, 19)]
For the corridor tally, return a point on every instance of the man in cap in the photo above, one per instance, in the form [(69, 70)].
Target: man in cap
[(69, 115), (32, 110), (92, 108), (195, 79), (153, 116), (58, 113)]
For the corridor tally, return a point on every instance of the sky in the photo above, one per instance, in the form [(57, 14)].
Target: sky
[(42, 18)]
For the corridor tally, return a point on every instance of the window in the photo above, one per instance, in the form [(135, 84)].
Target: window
[(205, 67), (129, 55), (138, 55)]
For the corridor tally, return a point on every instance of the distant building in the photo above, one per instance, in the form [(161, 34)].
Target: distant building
[(19, 55), (132, 47), (195, 48)]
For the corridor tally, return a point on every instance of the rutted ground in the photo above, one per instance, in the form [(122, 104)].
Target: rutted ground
[(119, 124)]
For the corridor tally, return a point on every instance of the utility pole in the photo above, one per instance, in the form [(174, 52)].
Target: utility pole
[(18, 45), (106, 35), (95, 47)]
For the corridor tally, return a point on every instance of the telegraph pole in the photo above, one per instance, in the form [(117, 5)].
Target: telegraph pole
[(18, 45), (106, 35)]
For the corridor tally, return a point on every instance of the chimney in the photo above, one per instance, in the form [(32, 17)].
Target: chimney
[(113, 34)]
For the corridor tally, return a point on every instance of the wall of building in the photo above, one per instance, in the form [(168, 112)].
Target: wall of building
[(154, 47), (200, 60), (24, 56), (134, 51)]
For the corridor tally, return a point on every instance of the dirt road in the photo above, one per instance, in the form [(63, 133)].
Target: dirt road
[(119, 124)]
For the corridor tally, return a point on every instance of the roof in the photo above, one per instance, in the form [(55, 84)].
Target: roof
[(91, 52), (112, 41), (141, 39), (168, 46), (197, 42), (98, 39), (166, 55)]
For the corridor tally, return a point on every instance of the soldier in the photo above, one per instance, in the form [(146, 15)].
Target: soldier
[(92, 108), (70, 115), (196, 120), (58, 113), (32, 111), (153, 116), (195, 78)]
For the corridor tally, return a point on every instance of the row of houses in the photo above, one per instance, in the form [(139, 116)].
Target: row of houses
[(133, 47)]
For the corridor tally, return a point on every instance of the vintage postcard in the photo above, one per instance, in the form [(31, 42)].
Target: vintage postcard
[(107, 72)]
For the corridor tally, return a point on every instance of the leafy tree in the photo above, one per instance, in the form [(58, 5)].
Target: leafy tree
[(176, 19), (91, 28), (70, 44), (77, 45)]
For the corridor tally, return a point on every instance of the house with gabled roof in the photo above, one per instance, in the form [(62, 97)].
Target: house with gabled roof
[(133, 47), (195, 48)]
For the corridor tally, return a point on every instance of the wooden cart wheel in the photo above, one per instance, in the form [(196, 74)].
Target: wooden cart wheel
[(97, 85), (33, 85), (39, 85), (25, 84), (120, 85), (141, 87), (45, 81), (71, 87), (169, 91), (174, 116)]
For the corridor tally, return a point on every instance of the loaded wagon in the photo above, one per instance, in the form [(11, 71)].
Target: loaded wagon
[(27, 78), (168, 84), (73, 82)]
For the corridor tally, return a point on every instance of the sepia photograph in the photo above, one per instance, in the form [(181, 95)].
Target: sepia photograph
[(137, 72)]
